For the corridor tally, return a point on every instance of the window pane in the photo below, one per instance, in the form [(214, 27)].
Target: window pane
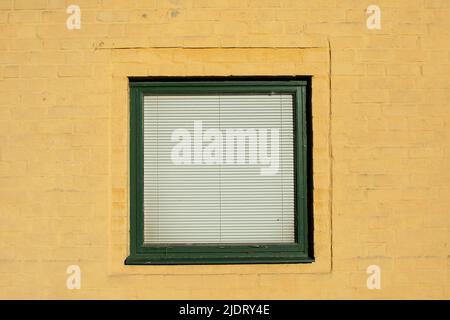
[(218, 169)]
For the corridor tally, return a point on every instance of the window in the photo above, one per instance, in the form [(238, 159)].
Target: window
[(219, 171)]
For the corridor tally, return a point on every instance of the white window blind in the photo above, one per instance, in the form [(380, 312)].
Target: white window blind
[(233, 193)]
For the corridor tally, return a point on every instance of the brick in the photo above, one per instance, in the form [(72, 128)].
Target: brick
[(11, 71), (74, 71), (30, 4)]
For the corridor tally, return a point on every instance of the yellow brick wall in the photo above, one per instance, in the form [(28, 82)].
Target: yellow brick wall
[(381, 141)]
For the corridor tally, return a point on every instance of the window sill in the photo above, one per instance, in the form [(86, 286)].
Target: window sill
[(282, 258)]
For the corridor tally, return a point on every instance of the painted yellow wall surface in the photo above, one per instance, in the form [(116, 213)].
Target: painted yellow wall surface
[(381, 121)]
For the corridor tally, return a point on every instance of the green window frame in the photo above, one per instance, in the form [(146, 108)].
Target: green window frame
[(299, 252)]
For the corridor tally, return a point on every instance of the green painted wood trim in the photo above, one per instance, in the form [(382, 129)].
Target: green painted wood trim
[(298, 252)]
